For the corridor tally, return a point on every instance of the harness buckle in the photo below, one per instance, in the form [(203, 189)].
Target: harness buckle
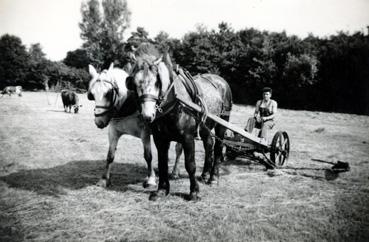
[(158, 108)]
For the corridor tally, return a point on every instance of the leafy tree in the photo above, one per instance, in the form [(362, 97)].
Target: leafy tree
[(91, 28), (36, 76), (300, 71), (344, 73), (77, 58), (116, 20), (62, 76), (14, 61), (195, 52), (139, 36), (167, 44), (103, 32), (36, 53)]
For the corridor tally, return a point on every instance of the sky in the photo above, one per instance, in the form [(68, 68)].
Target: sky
[(54, 23)]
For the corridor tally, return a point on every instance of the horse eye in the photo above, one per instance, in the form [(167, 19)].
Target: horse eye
[(109, 94), (90, 96)]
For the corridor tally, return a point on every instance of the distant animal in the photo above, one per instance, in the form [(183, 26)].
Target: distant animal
[(157, 88), (116, 106), (70, 100), (12, 90)]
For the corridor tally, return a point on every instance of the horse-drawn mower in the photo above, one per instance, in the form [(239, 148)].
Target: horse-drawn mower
[(240, 145), (245, 143)]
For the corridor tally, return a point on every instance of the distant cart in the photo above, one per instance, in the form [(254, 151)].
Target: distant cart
[(242, 142)]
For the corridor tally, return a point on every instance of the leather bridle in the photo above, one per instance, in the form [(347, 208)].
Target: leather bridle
[(161, 99), (108, 108)]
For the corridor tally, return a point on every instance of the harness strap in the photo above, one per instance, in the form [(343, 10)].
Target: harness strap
[(102, 113), (209, 80), (189, 84), (148, 97), (190, 78), (110, 107)]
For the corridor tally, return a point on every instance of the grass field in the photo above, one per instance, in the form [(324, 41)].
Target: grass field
[(50, 162)]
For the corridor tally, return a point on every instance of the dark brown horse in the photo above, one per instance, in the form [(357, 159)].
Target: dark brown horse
[(157, 87)]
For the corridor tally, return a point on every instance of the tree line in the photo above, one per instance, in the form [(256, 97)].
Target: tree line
[(313, 73)]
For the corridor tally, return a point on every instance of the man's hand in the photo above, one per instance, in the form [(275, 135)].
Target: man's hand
[(259, 119)]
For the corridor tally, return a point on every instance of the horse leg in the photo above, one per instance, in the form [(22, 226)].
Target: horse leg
[(208, 147), (164, 186), (175, 171), (218, 153), (114, 136), (190, 164), (150, 180)]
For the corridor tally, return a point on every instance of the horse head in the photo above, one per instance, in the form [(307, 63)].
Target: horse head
[(108, 91), (150, 78)]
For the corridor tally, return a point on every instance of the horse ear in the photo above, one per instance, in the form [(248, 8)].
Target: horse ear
[(130, 83), (92, 71), (167, 60), (169, 64), (164, 75), (111, 66)]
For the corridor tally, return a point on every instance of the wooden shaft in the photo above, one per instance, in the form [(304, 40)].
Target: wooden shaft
[(252, 139)]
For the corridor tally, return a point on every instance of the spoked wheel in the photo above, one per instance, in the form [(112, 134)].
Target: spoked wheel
[(280, 148)]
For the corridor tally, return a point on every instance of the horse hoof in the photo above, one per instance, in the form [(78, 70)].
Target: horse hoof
[(203, 178), (149, 182), (212, 181), (154, 196), (194, 196), (146, 185), (103, 183), (174, 176)]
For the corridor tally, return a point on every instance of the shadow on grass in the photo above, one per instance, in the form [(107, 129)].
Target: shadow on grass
[(74, 175), (257, 162), (250, 161), (56, 110), (329, 174)]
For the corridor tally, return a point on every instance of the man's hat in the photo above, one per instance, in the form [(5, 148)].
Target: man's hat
[(267, 89)]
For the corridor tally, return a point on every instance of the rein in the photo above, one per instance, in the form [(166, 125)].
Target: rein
[(162, 100)]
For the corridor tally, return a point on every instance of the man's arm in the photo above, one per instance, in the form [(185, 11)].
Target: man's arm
[(256, 113)]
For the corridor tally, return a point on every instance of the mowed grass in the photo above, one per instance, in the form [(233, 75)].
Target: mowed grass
[(50, 162)]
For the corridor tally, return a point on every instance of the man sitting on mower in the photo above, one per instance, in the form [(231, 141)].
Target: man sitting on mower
[(264, 115)]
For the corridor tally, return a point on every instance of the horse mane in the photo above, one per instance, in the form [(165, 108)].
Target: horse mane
[(148, 52)]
